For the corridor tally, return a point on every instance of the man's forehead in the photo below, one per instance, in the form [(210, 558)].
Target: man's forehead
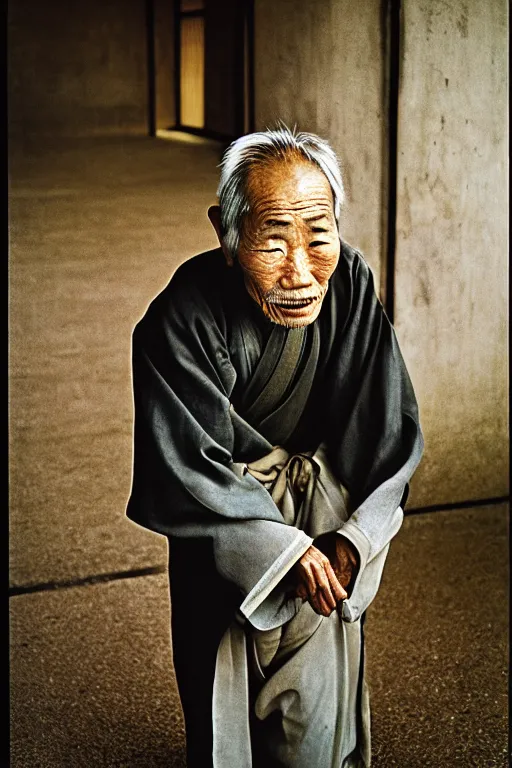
[(295, 182)]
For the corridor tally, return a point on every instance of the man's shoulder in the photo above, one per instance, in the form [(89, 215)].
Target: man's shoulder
[(352, 259), (353, 297), (194, 287), (202, 264), (352, 272), (199, 274)]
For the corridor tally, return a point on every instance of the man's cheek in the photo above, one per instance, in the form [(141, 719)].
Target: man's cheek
[(256, 287), (262, 277), (322, 269)]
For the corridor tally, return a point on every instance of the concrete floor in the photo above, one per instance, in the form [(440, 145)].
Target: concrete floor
[(96, 227)]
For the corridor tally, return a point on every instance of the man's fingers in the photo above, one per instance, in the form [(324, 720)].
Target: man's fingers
[(308, 579), (318, 582), (302, 592), (319, 604), (339, 592), (322, 583), (323, 605), (334, 587), (312, 584)]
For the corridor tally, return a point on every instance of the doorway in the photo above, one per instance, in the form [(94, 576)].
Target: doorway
[(214, 67), (190, 47)]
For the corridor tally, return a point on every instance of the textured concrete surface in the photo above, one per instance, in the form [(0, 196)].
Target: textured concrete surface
[(77, 69), (321, 66), (96, 230), (452, 242), (92, 680), (437, 643), (91, 667)]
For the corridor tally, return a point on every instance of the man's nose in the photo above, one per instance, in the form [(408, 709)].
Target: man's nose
[(297, 273)]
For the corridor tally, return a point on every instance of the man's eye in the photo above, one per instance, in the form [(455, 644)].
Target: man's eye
[(316, 243), (271, 250)]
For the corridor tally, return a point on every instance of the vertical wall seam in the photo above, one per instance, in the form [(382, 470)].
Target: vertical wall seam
[(238, 67), (251, 65), (151, 66), (384, 132), (177, 63), (392, 145)]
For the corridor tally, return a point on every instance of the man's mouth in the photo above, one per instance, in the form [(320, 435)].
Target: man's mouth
[(294, 303)]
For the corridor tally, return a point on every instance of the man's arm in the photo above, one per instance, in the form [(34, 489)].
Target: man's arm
[(375, 441), (184, 478)]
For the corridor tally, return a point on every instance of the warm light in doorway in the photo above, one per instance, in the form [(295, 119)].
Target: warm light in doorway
[(192, 71)]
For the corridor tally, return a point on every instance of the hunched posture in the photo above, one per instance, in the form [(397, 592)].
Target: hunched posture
[(276, 430)]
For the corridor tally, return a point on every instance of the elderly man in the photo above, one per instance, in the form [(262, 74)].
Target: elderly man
[(276, 431)]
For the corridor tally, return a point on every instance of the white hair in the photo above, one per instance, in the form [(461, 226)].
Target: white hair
[(257, 148)]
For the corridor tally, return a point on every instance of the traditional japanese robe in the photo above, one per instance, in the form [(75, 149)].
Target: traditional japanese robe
[(250, 441)]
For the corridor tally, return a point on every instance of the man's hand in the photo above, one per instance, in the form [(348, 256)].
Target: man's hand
[(317, 582), (343, 557)]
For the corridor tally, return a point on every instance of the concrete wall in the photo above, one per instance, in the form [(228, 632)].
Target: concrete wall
[(77, 68), (452, 242), (322, 65), (80, 69)]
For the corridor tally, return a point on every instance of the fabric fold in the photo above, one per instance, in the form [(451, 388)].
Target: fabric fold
[(286, 637), (269, 581), (353, 441), (231, 734)]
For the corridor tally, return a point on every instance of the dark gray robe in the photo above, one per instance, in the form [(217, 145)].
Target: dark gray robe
[(197, 379)]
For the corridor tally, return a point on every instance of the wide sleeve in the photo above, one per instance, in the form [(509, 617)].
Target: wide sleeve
[(376, 443), (185, 480)]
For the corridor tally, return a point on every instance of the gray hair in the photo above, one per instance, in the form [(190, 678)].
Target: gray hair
[(257, 148)]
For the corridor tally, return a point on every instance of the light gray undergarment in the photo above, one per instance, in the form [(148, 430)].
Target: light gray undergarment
[(309, 665)]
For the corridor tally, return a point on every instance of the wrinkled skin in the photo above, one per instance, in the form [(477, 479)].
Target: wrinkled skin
[(289, 243), (326, 573), (289, 248)]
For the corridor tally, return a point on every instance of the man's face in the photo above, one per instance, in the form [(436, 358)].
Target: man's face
[(289, 244)]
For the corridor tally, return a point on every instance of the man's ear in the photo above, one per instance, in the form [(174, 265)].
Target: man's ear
[(214, 216)]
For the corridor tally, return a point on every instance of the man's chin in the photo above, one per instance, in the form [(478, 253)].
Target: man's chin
[(294, 323), (292, 318)]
